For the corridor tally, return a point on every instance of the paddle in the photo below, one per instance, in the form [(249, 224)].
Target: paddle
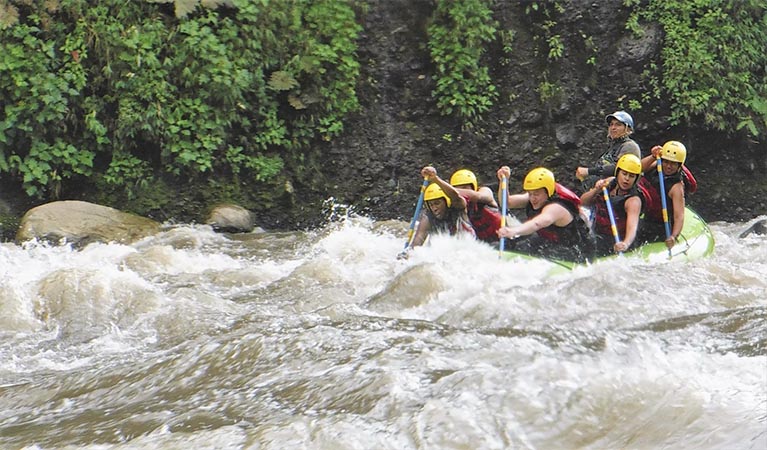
[(417, 212), (662, 183), (610, 213), (504, 199)]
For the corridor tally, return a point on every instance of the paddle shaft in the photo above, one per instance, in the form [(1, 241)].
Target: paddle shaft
[(663, 203), (610, 213), (504, 200), (417, 212)]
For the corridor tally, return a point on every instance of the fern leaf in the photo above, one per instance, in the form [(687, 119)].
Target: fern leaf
[(9, 15), (282, 81), (296, 102), (184, 7), (214, 4)]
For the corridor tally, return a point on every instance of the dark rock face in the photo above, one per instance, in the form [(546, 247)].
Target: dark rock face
[(375, 165)]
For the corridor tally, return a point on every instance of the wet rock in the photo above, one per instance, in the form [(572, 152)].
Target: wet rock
[(634, 50), (230, 218), (567, 136), (80, 223), (758, 227)]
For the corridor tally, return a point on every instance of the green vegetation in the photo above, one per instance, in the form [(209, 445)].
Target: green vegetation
[(713, 62), (549, 48), (588, 42), (117, 93), (542, 16), (548, 90), (129, 97), (459, 32)]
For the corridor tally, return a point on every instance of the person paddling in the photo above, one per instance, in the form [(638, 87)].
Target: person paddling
[(626, 200), (672, 157), (481, 206), (555, 227), (445, 211)]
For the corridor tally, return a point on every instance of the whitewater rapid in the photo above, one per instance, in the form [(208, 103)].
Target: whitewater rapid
[(323, 339)]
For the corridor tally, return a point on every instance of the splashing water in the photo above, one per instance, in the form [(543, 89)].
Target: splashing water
[(323, 339)]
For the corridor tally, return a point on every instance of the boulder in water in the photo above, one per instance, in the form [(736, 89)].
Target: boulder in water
[(230, 218), (80, 223), (758, 227)]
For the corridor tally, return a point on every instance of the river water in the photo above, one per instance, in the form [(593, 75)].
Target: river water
[(324, 340)]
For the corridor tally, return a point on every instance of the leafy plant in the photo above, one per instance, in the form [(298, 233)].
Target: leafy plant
[(556, 47), (548, 90), (542, 15), (459, 31), (713, 61), (183, 8), (588, 42), (40, 80), (120, 92)]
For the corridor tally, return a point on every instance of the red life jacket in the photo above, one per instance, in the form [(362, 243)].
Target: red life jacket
[(568, 195), (570, 233), (649, 186), (690, 183), (647, 197), (485, 219)]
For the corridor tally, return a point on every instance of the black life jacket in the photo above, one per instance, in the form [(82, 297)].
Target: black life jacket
[(575, 232), (654, 205), (455, 220), (602, 216)]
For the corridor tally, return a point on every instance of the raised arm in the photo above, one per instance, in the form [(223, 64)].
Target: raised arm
[(513, 201), (589, 197), (430, 174), (649, 161), (483, 195)]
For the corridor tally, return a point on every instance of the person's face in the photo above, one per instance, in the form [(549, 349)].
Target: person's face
[(626, 179), (438, 207), (670, 167), (538, 197), (469, 187), (616, 128)]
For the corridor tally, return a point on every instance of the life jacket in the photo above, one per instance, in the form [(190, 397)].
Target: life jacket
[(485, 219), (568, 195), (616, 149), (654, 204), (607, 161), (602, 216), (690, 183), (571, 234)]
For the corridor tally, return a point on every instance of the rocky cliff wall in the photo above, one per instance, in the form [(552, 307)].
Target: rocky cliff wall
[(375, 165)]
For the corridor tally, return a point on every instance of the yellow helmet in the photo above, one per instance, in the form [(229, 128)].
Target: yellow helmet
[(433, 192), (674, 151), (540, 178), (629, 163), (464, 176)]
